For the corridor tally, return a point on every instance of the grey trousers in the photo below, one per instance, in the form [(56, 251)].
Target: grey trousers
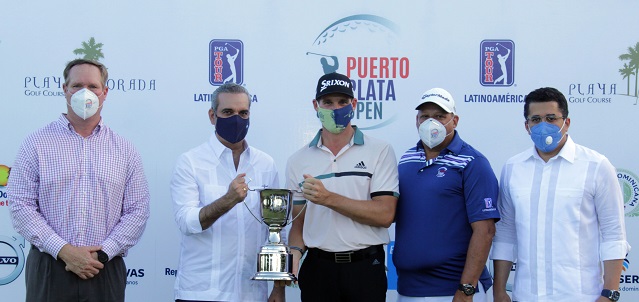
[(47, 281)]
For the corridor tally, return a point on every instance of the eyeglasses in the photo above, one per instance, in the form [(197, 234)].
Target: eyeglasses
[(76, 88), (549, 118)]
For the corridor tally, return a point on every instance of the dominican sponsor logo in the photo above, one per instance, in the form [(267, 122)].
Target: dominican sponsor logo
[(629, 183), (133, 276), (11, 258), (226, 62), (170, 272), (497, 65), (48, 85), (4, 177), (367, 49), (628, 282)]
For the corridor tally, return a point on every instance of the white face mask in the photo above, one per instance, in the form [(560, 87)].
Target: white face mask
[(432, 132), (84, 103)]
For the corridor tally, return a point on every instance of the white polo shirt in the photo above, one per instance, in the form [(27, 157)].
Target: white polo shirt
[(559, 220), (365, 167)]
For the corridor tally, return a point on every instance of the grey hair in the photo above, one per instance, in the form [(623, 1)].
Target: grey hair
[(228, 88)]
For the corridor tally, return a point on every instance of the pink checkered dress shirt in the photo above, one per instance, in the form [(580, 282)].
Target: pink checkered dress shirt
[(64, 188)]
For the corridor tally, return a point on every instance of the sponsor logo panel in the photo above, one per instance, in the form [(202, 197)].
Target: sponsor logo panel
[(226, 62), (377, 69), (49, 84), (497, 65), (12, 258)]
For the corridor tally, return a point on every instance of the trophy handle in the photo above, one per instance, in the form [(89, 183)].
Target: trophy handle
[(247, 207), (298, 214)]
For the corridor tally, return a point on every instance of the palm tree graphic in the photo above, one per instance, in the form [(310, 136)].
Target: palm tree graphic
[(633, 64), (90, 50), (626, 72)]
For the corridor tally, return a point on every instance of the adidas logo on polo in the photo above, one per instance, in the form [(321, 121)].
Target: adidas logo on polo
[(360, 165), (376, 262)]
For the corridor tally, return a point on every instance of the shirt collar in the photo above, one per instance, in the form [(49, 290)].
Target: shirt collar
[(64, 121), (219, 148), (567, 152), (357, 139)]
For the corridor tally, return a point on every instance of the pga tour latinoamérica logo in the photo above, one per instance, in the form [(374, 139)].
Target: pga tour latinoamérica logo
[(226, 62), (497, 65), (370, 51)]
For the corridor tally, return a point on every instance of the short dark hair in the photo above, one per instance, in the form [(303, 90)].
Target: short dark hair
[(103, 70), (546, 94), (228, 88)]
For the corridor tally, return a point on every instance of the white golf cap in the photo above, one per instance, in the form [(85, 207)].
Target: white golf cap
[(440, 97)]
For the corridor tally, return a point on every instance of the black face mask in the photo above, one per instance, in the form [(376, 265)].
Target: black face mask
[(232, 129)]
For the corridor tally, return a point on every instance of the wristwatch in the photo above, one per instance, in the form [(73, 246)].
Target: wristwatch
[(611, 294), (467, 289), (102, 256)]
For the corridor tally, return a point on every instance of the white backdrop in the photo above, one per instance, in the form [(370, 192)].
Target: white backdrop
[(160, 54)]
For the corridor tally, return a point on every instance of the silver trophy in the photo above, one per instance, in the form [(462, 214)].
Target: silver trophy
[(274, 259)]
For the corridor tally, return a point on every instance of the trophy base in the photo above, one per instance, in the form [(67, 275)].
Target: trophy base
[(273, 276), (274, 264)]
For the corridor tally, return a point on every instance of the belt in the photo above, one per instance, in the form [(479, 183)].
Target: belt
[(348, 256)]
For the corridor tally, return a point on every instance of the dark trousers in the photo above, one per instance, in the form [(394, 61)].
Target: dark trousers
[(322, 280), (47, 281)]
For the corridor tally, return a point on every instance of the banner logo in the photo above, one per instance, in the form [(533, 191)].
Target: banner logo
[(43, 84), (367, 49), (226, 62), (90, 50), (497, 65), (630, 69), (629, 183), (4, 175), (11, 258)]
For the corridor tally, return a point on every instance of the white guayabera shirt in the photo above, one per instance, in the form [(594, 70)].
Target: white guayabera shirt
[(218, 263), (559, 220)]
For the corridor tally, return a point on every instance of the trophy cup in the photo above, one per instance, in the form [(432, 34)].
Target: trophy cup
[(274, 259)]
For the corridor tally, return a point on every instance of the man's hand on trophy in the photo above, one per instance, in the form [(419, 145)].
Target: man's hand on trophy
[(315, 192), (238, 188)]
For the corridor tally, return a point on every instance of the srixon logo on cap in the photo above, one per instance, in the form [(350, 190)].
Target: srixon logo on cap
[(327, 83)]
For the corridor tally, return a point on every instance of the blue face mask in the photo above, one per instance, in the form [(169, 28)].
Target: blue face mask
[(546, 136), (233, 129), (335, 121)]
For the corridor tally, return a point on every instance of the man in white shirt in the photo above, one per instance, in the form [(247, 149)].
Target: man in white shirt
[(220, 237), (561, 212)]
